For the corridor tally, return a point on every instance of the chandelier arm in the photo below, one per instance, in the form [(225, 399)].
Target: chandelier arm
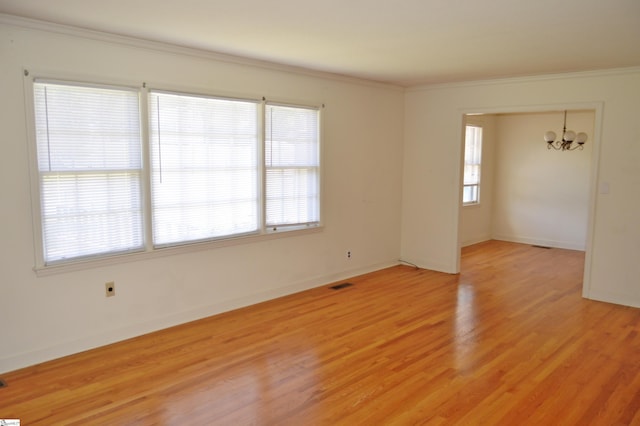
[(555, 145)]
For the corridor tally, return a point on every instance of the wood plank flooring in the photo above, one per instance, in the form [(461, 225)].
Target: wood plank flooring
[(509, 341)]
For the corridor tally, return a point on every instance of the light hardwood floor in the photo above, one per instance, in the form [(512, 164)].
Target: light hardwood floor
[(509, 341)]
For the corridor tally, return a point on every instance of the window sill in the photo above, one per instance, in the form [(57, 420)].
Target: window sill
[(78, 265)]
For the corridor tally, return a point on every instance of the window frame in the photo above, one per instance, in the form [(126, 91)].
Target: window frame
[(41, 268), (297, 226), (257, 170), (478, 183), (89, 172)]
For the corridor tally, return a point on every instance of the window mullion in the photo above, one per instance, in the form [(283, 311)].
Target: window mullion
[(262, 167), (146, 169)]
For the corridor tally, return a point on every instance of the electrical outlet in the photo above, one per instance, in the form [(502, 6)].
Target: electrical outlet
[(110, 288), (349, 255)]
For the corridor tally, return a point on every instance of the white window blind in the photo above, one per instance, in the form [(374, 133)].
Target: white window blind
[(472, 165), (89, 166), (292, 166), (204, 170)]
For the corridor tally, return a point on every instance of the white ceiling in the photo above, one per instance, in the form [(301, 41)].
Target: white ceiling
[(404, 42)]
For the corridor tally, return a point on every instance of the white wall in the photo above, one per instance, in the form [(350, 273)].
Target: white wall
[(432, 168), (50, 316), (541, 195), (476, 219)]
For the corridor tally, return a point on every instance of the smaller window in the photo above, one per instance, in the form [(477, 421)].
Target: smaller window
[(292, 166), (472, 165)]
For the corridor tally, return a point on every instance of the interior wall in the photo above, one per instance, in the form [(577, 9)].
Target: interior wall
[(55, 315), (541, 195), (476, 219), (431, 185)]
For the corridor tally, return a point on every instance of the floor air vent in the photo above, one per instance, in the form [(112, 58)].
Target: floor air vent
[(544, 247), (340, 286)]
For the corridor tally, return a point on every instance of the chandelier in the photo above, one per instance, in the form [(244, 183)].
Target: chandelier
[(568, 137)]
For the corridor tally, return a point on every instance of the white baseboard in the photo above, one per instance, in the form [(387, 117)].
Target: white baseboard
[(617, 299), (63, 349), (569, 245), (476, 240), (432, 266)]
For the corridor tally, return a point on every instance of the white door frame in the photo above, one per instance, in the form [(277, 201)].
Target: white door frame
[(598, 107)]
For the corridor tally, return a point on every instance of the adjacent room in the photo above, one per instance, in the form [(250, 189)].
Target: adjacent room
[(263, 213), (526, 194)]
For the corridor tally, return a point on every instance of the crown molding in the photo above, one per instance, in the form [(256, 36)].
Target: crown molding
[(33, 24), (68, 30), (526, 79)]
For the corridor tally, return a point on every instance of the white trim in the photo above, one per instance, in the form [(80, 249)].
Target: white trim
[(31, 80), (475, 240), (615, 298), (471, 204), (34, 24), (318, 108), (593, 195), (27, 359), (34, 175), (38, 25), (598, 107), (78, 265), (203, 93), (524, 79), (145, 187), (566, 245)]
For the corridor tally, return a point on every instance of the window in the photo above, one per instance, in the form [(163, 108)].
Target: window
[(89, 168), (292, 166), (204, 154), (203, 180), (472, 165)]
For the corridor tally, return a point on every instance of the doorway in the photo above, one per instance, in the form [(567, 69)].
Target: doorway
[(531, 194)]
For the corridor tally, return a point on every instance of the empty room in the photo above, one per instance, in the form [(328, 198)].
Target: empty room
[(328, 213)]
